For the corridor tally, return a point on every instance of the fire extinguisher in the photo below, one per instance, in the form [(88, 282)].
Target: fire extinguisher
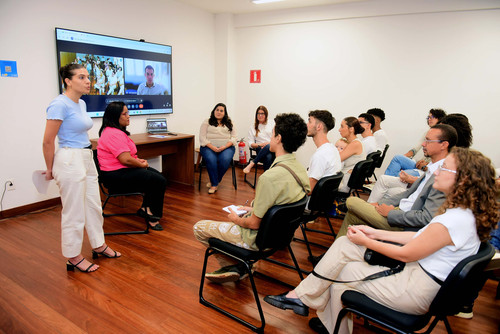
[(243, 152)]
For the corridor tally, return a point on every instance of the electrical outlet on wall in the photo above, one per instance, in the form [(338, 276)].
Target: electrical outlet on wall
[(11, 185)]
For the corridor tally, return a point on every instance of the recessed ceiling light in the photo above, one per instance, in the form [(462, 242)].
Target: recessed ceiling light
[(264, 1)]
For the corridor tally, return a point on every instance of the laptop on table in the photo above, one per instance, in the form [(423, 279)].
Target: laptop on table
[(158, 126)]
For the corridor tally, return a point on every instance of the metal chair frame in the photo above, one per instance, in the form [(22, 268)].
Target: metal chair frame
[(109, 194), (233, 173), (463, 283), (275, 232)]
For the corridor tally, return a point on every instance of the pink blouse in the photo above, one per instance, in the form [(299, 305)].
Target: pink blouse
[(110, 145)]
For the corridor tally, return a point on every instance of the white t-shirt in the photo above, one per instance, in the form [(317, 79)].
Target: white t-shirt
[(381, 139), (370, 144), (461, 225), (324, 162)]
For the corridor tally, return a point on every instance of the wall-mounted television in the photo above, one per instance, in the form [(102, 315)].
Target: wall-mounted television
[(135, 72)]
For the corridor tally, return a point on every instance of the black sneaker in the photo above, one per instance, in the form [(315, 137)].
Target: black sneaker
[(465, 312), (224, 275)]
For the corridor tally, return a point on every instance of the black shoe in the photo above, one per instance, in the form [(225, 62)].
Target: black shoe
[(224, 274), (315, 259), (465, 312), (144, 214), (316, 325), (284, 303), (156, 227)]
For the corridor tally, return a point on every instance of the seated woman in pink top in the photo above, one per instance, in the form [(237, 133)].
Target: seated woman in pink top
[(122, 170)]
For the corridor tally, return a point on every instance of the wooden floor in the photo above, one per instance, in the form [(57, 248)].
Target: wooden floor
[(153, 288)]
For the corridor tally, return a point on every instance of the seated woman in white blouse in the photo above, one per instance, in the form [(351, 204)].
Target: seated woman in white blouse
[(217, 144), (466, 218), (259, 137)]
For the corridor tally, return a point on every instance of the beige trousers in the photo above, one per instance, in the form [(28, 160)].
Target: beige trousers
[(363, 213), (226, 231), (410, 291), (76, 176), (386, 186)]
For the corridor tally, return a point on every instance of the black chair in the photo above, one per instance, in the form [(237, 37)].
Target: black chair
[(375, 156), (381, 160), (110, 193), (253, 155), (462, 284), (233, 173), (320, 204), (275, 232), (356, 181)]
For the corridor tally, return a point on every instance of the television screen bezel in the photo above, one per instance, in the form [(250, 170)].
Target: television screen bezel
[(135, 104)]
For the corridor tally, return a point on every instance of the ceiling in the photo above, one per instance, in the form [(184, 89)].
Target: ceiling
[(246, 6)]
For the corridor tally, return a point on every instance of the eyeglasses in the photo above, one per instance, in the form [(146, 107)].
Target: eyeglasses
[(433, 141), (441, 168), (430, 117)]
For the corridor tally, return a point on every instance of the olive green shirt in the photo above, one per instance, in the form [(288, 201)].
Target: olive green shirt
[(276, 186)]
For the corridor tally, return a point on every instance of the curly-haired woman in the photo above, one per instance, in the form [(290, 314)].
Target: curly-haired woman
[(466, 218)]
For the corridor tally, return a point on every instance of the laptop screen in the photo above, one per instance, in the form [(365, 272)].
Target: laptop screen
[(155, 125)]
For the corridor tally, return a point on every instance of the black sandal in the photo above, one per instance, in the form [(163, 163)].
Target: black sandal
[(71, 267), (95, 254)]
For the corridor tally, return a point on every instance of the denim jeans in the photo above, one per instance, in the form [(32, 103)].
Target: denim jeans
[(217, 163), (399, 163), (265, 156)]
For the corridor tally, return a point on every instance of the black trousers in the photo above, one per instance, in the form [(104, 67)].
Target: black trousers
[(146, 180)]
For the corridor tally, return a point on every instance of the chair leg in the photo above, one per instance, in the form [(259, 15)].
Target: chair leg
[(255, 179), (302, 228), (233, 171), (295, 262), (200, 168), (255, 176), (330, 224), (340, 316), (146, 231), (105, 215), (203, 301)]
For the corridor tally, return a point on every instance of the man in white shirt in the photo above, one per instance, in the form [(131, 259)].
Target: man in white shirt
[(150, 87), (326, 160), (369, 143), (378, 133), (417, 205)]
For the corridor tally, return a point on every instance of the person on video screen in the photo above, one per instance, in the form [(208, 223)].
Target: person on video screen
[(150, 87)]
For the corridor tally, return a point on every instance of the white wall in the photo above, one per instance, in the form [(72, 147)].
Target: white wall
[(349, 58), (404, 56), (28, 37)]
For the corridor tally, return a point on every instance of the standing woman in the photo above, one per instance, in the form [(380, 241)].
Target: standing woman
[(73, 169), (122, 170), (354, 152), (217, 144), (259, 137)]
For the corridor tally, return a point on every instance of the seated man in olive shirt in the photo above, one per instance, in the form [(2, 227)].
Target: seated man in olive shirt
[(275, 187)]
